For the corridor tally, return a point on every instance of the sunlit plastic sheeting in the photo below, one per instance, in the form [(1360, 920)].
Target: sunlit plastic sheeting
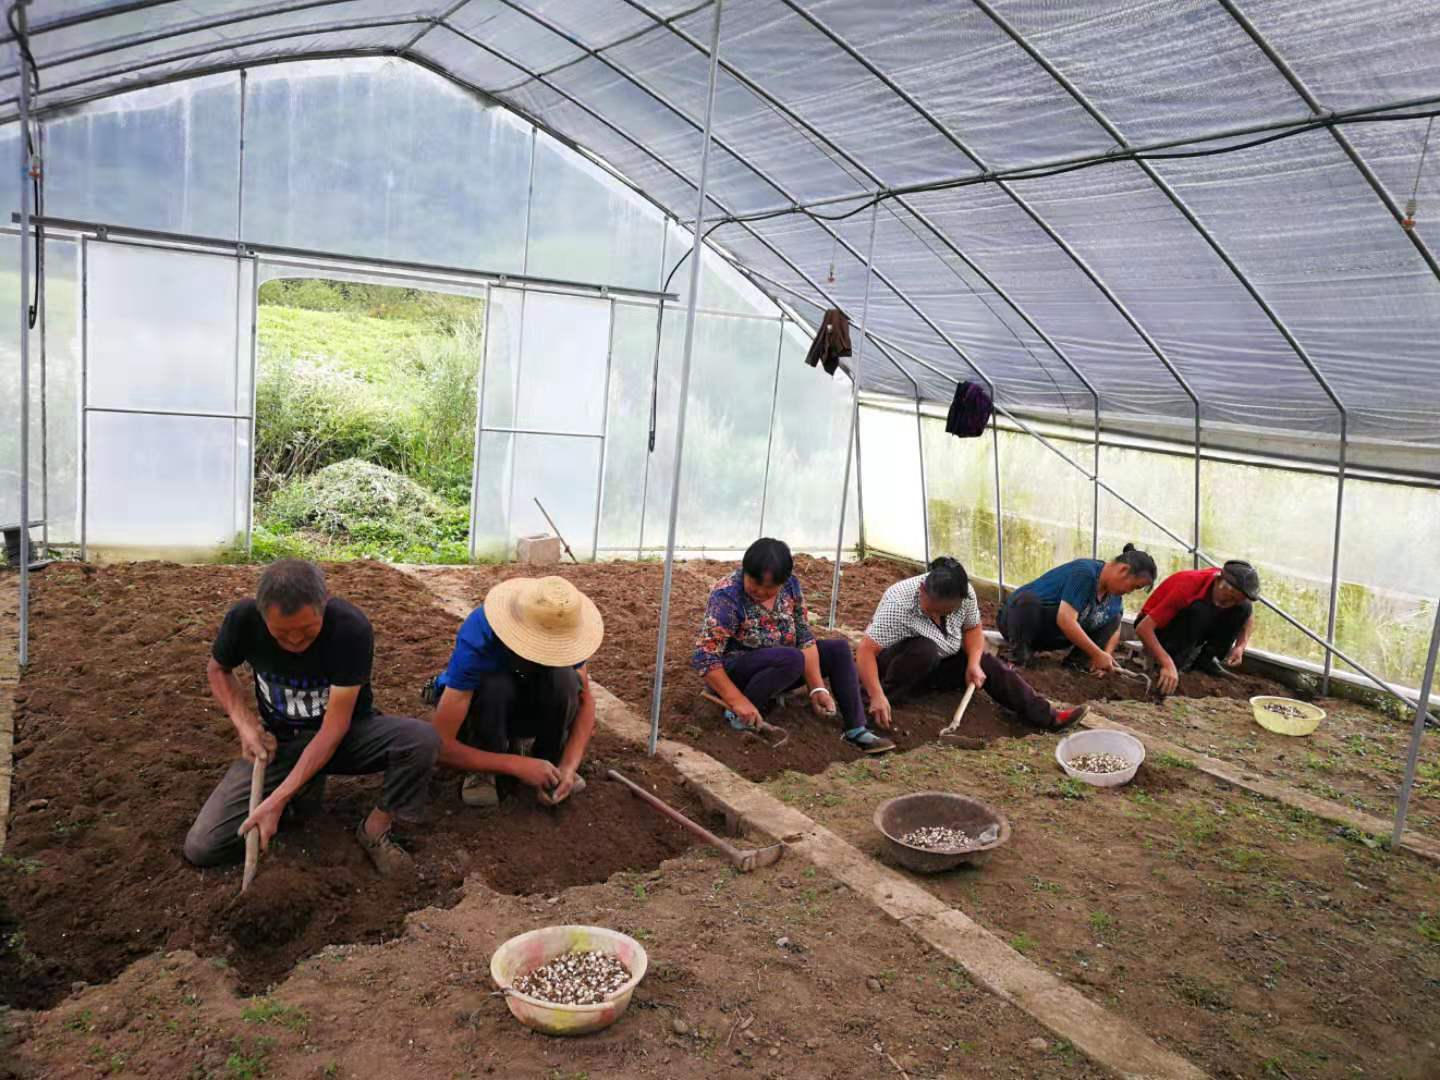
[(1390, 576), (143, 495), (56, 363), (499, 385), (743, 121), (969, 75), (1015, 252), (563, 358), (1186, 66), (10, 391), (807, 458), (490, 523), (515, 470), (1171, 280), (383, 159), (164, 331), (587, 226), (1048, 506), (870, 128), (1307, 229), (1394, 151), (722, 288), (632, 359), (1282, 522), (1164, 486), (460, 58), (79, 65), (1354, 54), (890, 482), (727, 419), (163, 158)]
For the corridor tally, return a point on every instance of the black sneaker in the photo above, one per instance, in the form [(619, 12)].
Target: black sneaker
[(1020, 655)]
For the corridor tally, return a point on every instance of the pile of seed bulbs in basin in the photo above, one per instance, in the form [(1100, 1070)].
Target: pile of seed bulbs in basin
[(944, 838), (575, 978), (1099, 763)]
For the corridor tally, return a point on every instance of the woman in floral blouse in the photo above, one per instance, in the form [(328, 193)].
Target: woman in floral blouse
[(756, 643)]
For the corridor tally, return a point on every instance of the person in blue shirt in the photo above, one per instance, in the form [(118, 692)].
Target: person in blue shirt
[(515, 699), (1076, 604)]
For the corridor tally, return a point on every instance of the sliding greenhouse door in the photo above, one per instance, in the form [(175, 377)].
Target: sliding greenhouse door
[(541, 441), (166, 398)]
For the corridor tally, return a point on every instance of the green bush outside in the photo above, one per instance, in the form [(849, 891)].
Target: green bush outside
[(365, 414)]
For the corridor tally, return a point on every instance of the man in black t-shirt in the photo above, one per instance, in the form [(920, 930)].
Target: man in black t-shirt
[(314, 715)]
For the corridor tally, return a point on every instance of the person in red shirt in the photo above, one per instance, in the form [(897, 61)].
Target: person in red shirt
[(1196, 617)]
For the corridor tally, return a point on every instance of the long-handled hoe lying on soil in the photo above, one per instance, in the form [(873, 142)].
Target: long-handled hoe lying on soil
[(743, 860)]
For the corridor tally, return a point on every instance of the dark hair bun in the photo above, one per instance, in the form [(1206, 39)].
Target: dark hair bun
[(944, 562), (1127, 547)]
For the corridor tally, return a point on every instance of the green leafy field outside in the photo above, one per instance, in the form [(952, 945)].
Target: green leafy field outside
[(365, 413)]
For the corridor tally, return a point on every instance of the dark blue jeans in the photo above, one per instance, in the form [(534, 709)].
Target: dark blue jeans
[(763, 674)]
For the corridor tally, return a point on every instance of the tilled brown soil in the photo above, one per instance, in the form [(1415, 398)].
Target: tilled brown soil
[(119, 742)]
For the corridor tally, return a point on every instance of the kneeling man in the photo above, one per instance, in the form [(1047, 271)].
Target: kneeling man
[(515, 699), (1200, 620), (311, 655)]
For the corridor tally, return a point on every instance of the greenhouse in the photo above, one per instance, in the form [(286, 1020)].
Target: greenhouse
[(401, 288)]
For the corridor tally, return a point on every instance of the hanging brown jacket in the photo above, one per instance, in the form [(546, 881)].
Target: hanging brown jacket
[(832, 341)]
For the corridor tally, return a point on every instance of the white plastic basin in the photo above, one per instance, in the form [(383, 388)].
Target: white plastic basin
[(1101, 742)]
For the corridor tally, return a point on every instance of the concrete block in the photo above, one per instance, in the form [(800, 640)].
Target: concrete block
[(542, 550)]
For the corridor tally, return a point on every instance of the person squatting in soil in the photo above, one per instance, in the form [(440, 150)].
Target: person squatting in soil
[(926, 635), (515, 699), (1200, 620), (311, 655), (755, 643), (1077, 604)]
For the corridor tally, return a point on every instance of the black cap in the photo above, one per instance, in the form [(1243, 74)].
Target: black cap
[(1243, 576)]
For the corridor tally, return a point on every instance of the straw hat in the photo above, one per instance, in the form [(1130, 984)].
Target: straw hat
[(545, 620)]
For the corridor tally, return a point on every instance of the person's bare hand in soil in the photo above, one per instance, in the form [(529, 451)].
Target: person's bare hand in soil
[(821, 703), (535, 772), (879, 710), (1169, 676)]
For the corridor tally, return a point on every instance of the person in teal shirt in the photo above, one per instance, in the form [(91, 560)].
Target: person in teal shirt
[(1076, 604)]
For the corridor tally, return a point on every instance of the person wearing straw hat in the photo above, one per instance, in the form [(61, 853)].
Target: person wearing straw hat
[(1200, 620), (515, 699)]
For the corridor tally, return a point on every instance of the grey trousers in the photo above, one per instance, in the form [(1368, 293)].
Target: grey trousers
[(403, 749)]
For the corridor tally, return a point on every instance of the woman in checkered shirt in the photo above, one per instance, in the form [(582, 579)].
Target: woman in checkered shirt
[(756, 643)]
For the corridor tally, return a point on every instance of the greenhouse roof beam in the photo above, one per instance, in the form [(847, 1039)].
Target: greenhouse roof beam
[(680, 114), (180, 29), (1074, 256), (238, 43), (1313, 104), (764, 95), (1038, 169)]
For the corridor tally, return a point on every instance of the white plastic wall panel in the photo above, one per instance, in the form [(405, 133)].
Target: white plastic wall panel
[(164, 331), (164, 482)]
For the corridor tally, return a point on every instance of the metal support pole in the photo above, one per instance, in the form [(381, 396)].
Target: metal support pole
[(852, 441), (26, 164), (1417, 732), (693, 299), (1095, 491), (924, 497), (1332, 616), (770, 432), (1195, 524), (999, 510)]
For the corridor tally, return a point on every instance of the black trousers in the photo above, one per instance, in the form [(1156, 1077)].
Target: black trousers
[(508, 709), (1024, 620), (914, 666), (1203, 631)]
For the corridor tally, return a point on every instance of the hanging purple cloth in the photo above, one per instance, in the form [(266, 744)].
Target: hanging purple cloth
[(969, 412)]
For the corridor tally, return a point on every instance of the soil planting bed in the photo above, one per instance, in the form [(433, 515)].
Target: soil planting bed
[(1250, 938), (119, 742)]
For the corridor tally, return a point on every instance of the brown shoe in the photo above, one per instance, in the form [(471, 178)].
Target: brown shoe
[(386, 856)]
